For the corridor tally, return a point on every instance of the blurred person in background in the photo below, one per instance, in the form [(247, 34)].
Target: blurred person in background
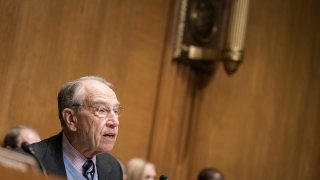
[(210, 174), (140, 169), (18, 135), (124, 169)]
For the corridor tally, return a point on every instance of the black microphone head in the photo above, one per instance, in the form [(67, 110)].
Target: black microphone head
[(163, 177), (25, 146)]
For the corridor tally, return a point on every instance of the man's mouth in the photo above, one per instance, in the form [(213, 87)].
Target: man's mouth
[(109, 135)]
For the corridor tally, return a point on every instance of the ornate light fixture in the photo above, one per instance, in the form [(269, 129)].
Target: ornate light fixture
[(209, 31)]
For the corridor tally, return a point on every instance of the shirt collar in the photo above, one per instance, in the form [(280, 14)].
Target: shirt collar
[(73, 155)]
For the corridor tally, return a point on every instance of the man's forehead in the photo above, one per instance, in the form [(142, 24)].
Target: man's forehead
[(100, 92), (97, 86)]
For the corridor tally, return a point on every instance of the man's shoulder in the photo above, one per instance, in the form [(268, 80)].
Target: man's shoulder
[(108, 166), (107, 157), (55, 138), (53, 141), (48, 152)]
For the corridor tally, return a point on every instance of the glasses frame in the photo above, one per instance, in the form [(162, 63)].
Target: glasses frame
[(102, 112)]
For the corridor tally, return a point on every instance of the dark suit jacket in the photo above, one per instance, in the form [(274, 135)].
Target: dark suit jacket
[(49, 152)]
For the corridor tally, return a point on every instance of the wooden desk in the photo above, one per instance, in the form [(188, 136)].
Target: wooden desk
[(17, 166)]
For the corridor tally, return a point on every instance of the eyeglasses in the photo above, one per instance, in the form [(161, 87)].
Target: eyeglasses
[(102, 110)]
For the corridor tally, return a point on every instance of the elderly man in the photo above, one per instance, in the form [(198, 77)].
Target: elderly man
[(88, 113)]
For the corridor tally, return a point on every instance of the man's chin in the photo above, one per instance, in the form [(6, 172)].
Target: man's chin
[(107, 147)]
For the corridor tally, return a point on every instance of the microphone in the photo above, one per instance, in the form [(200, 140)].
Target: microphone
[(163, 177), (26, 146)]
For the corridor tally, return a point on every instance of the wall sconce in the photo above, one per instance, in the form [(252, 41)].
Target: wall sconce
[(233, 52), (209, 31)]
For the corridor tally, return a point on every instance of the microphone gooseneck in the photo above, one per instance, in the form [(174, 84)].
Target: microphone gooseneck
[(26, 146), (163, 177)]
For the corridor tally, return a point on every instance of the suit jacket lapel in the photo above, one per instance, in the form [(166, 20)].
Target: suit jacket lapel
[(103, 168)]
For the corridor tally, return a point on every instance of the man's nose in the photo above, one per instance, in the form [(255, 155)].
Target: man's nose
[(112, 121)]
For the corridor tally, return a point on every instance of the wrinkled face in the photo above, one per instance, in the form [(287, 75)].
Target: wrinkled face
[(97, 120), (149, 173)]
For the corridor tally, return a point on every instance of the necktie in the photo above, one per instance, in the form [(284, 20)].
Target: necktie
[(88, 170)]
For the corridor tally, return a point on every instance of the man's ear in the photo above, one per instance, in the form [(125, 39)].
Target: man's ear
[(70, 119)]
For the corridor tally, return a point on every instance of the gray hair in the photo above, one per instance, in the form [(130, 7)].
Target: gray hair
[(73, 93)]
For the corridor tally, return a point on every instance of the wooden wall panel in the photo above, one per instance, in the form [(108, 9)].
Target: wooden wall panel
[(44, 44), (260, 123)]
